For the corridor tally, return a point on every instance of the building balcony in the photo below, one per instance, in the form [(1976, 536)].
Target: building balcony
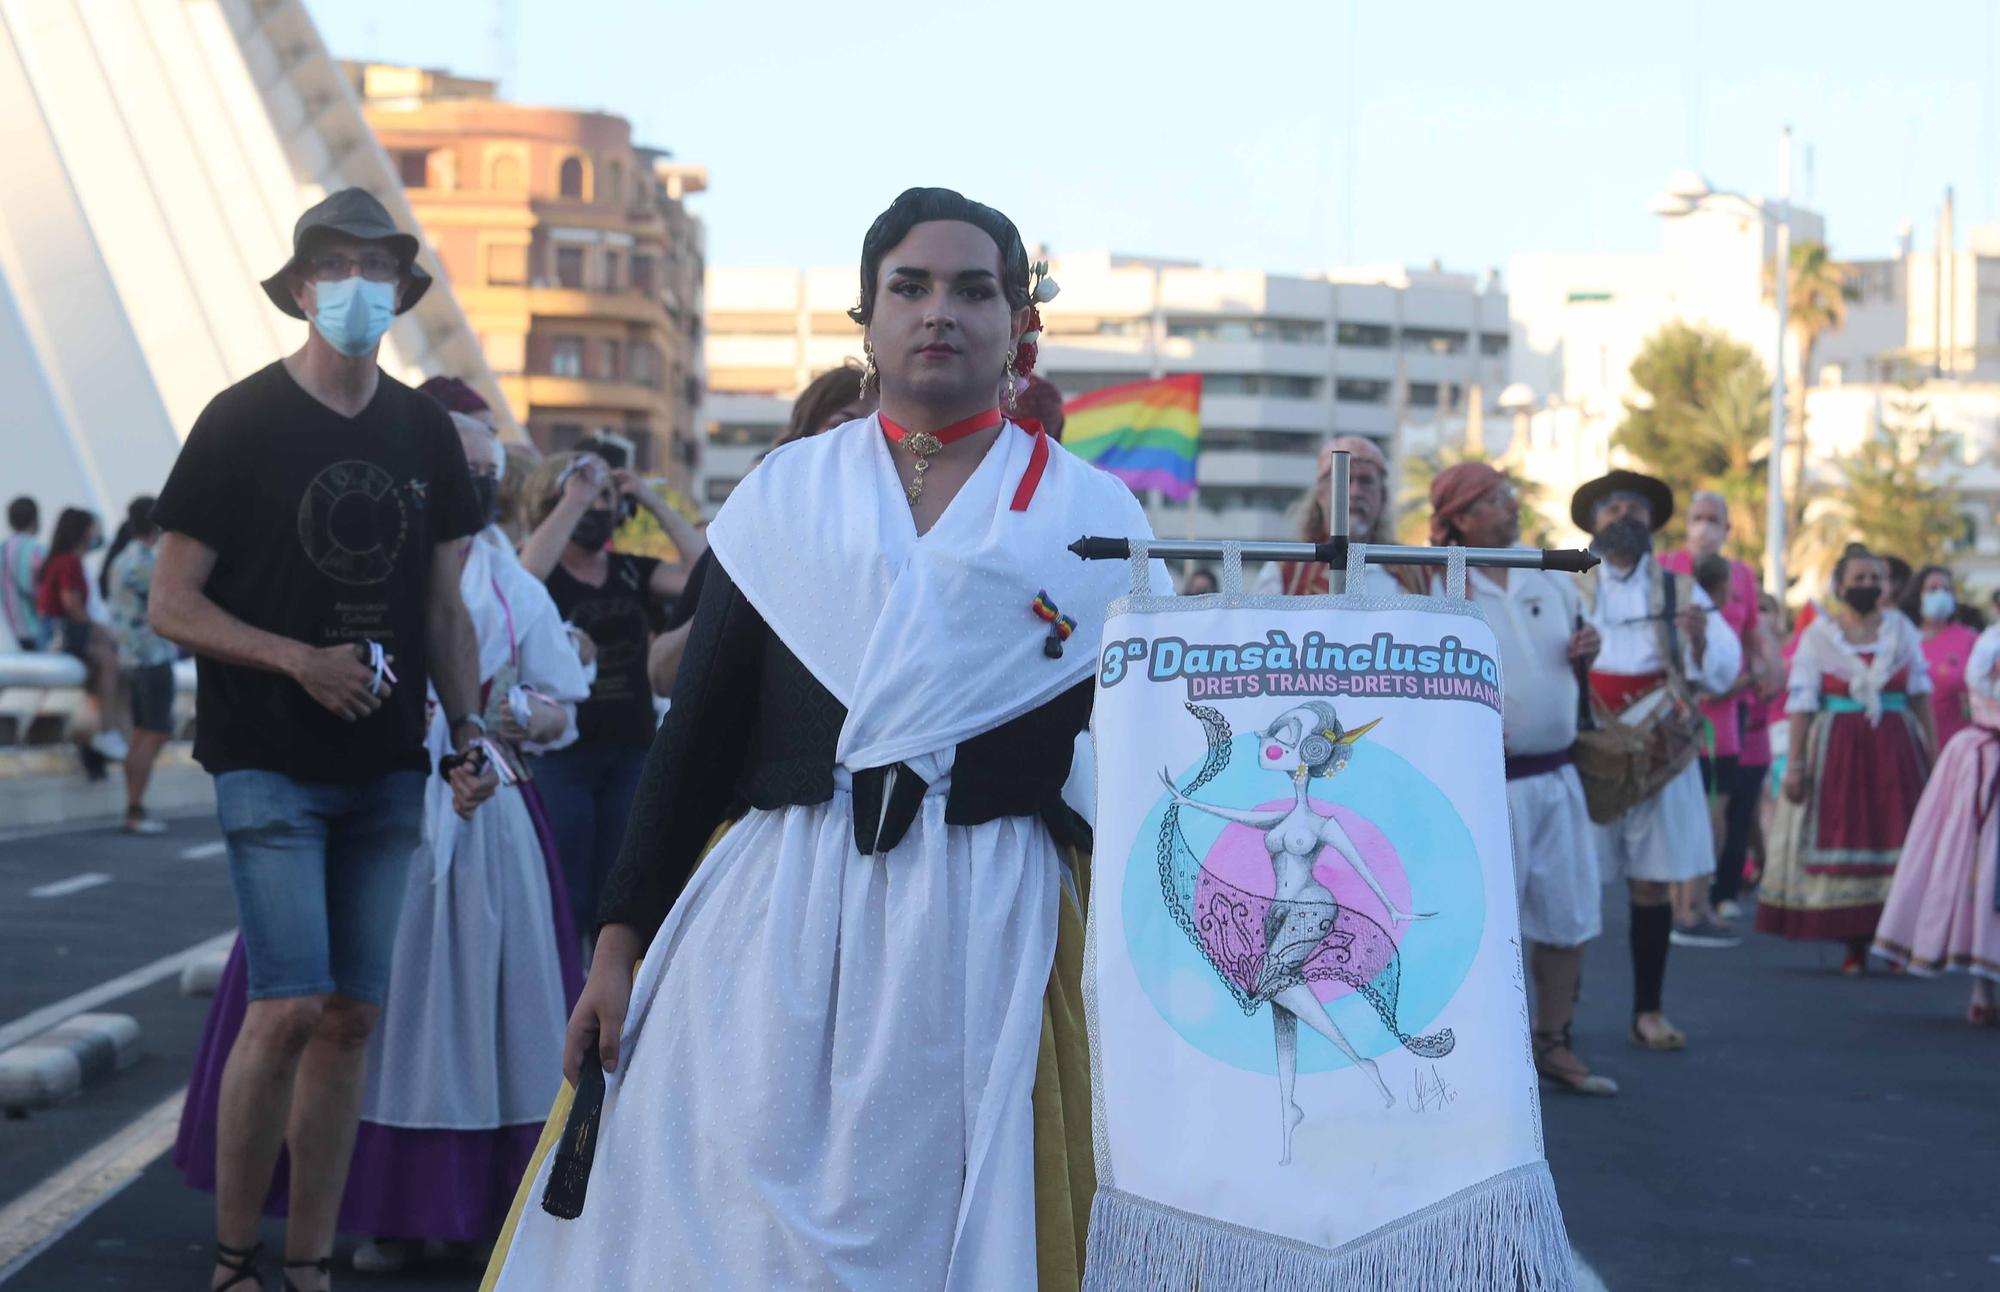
[(1235, 467), (1266, 413), (581, 303), (1291, 358), (550, 392)]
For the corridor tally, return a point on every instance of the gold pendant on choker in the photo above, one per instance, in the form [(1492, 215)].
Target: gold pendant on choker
[(921, 445)]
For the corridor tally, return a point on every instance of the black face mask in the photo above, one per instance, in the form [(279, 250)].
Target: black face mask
[(1628, 538), (486, 497), (594, 530), (1863, 600)]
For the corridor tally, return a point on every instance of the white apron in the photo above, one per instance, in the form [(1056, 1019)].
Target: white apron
[(470, 1034)]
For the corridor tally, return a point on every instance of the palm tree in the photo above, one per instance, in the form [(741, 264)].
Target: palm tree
[(1816, 305)]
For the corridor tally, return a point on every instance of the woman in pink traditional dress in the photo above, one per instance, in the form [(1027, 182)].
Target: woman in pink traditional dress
[(1944, 909), (1861, 736), (1931, 601)]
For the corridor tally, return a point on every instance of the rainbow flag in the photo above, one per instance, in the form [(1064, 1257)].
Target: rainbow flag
[(1144, 432)]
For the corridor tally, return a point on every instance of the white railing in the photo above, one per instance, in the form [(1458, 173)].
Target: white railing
[(41, 694)]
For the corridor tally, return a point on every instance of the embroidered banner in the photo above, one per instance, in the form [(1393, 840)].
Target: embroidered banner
[(1309, 1024)]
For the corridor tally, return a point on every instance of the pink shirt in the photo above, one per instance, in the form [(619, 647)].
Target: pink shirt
[(1740, 613), (1946, 654)]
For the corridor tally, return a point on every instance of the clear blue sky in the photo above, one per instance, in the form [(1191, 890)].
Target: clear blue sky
[(1255, 135)]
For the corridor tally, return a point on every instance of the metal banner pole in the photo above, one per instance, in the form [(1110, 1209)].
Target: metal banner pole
[(1337, 520), (1568, 560), (1333, 552)]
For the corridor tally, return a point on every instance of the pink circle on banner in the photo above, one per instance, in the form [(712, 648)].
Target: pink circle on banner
[(1240, 859)]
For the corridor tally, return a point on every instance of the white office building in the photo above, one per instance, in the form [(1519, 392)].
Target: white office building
[(1399, 355)]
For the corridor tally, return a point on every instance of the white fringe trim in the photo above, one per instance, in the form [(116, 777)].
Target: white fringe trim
[(1504, 1234)]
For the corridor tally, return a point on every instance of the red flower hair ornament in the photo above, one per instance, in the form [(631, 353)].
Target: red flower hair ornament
[(1042, 290)]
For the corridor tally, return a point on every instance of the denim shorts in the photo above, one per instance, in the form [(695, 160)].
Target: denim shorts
[(319, 871), (152, 697)]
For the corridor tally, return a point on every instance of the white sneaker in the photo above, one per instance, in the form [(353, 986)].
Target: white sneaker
[(144, 825), (110, 745), (385, 1256)]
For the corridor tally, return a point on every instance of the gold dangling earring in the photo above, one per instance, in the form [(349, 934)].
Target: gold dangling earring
[(869, 376), (1007, 375)]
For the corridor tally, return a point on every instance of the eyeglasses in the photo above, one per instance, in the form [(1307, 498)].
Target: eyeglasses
[(376, 267)]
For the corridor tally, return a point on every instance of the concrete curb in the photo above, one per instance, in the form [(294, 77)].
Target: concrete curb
[(45, 786), (56, 1065), (200, 977)]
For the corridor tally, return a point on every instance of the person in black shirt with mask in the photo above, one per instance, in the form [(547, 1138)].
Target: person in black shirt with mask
[(310, 560), (577, 502)]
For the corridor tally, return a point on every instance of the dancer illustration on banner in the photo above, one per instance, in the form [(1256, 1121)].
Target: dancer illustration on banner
[(1271, 949)]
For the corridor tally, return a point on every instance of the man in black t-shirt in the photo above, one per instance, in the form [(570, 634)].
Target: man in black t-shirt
[(310, 560)]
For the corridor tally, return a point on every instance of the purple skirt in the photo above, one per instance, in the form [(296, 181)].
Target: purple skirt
[(447, 1185)]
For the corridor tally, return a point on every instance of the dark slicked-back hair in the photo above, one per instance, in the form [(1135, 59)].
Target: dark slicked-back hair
[(922, 206), (23, 514)]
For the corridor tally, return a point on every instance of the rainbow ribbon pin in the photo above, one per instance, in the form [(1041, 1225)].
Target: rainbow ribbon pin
[(1060, 625)]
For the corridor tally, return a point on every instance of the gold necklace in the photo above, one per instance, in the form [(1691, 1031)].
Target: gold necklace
[(922, 444)]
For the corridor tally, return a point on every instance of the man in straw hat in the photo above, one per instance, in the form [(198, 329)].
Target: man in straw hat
[(311, 562), (1537, 616), (1652, 623)]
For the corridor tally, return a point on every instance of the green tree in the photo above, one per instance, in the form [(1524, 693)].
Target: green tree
[(1896, 492), (643, 536), (1703, 421)]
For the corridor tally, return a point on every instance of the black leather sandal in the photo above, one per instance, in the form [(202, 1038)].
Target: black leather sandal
[(241, 1263), (323, 1265)]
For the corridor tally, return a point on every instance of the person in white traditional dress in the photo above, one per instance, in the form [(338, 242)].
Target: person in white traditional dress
[(821, 1075), (1645, 617)]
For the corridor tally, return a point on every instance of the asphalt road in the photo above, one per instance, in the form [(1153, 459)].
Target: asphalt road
[(1820, 1132)]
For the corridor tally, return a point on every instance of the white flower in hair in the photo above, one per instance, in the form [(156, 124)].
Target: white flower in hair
[(1045, 290)]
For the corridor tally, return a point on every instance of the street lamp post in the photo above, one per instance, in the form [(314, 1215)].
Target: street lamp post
[(1684, 194), (1774, 524)]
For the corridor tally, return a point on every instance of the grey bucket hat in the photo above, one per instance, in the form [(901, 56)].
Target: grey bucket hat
[(355, 213)]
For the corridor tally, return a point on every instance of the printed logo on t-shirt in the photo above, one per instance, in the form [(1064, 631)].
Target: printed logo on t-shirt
[(353, 521)]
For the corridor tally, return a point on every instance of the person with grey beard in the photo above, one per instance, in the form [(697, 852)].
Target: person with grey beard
[(1651, 621)]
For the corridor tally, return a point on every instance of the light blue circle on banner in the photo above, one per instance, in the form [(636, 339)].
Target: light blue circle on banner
[(1436, 852)]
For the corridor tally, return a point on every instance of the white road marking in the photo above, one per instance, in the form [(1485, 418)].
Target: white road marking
[(201, 850), (32, 1025), (74, 884), (36, 1219)]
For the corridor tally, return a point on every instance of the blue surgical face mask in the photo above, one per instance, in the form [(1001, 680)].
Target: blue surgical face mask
[(1939, 603), (352, 313)]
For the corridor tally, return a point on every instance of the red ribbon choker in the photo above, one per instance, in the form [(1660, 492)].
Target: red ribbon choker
[(956, 431), (923, 444)]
